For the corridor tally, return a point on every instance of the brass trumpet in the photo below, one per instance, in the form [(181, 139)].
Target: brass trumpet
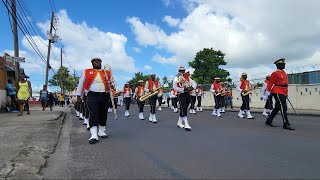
[(183, 82)]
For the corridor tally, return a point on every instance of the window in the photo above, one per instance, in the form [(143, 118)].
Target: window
[(309, 92), (316, 89), (306, 89), (301, 93)]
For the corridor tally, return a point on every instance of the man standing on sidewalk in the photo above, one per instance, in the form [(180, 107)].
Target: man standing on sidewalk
[(278, 87), (95, 83)]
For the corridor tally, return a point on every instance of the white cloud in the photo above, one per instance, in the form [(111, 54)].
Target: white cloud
[(136, 49), (251, 35), (167, 2), (147, 67), (147, 34), (191, 70), (82, 42), (173, 22)]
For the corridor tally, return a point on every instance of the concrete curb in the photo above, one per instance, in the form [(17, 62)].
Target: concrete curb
[(36, 150)]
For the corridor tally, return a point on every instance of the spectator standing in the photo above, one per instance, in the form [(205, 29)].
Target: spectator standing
[(11, 91), (228, 97)]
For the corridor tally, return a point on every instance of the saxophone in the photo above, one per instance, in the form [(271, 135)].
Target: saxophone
[(247, 92), (148, 95)]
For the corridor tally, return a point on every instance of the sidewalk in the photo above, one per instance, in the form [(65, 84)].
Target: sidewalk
[(26, 141)]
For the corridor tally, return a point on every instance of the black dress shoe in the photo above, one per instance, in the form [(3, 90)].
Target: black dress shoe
[(270, 124), (93, 141), (287, 127)]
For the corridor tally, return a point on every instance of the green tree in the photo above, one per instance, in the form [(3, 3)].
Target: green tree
[(63, 79), (207, 64), (166, 81), (137, 76)]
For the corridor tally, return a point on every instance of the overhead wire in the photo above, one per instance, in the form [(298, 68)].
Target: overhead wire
[(25, 32)]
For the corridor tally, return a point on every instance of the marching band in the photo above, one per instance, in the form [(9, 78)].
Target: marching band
[(97, 94)]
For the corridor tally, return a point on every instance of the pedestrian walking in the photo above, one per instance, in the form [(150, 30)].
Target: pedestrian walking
[(44, 97), (50, 101)]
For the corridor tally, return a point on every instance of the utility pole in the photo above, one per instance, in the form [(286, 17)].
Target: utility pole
[(15, 39), (62, 73), (49, 48)]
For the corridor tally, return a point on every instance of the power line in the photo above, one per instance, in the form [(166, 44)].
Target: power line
[(25, 32), (52, 5), (31, 25)]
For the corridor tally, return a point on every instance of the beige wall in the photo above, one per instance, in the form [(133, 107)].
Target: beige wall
[(3, 99), (301, 97)]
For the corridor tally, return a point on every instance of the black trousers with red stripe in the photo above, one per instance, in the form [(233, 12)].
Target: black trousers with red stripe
[(281, 105)]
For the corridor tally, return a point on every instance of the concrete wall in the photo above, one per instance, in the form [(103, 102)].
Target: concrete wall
[(301, 97), (3, 99)]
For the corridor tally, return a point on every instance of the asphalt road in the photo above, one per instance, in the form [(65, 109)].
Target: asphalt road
[(225, 147)]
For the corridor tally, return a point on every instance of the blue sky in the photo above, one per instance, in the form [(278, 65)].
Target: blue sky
[(159, 35)]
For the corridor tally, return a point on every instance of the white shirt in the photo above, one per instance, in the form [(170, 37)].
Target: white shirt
[(172, 95), (212, 88), (199, 93), (127, 94), (263, 90), (181, 89), (96, 86)]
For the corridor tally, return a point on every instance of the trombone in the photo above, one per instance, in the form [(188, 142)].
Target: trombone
[(107, 67)]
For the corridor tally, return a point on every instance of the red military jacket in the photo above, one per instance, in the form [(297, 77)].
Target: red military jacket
[(217, 87), (245, 85), (150, 84), (140, 90), (91, 74), (278, 83)]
